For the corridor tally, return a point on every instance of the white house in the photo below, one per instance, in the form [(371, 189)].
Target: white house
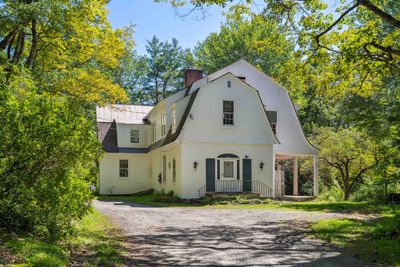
[(226, 132)]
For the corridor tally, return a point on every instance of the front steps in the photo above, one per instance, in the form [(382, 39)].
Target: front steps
[(224, 195)]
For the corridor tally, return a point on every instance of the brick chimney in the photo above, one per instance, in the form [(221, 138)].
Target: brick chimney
[(192, 76)]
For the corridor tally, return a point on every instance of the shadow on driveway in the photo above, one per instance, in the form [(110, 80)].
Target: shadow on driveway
[(201, 237)]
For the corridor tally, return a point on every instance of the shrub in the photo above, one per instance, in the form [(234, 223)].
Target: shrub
[(161, 196), (47, 161)]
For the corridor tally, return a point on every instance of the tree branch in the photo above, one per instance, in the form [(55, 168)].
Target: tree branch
[(4, 43), (32, 53), (336, 22), (383, 15), (386, 49)]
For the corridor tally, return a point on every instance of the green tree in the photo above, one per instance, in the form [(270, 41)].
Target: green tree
[(254, 38), (54, 57), (150, 78), (361, 38), (347, 157), (166, 63), (130, 73)]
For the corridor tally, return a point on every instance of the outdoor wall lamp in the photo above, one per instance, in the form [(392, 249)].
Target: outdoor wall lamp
[(261, 165), (195, 165)]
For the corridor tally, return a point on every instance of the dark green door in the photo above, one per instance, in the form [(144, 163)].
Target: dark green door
[(210, 175), (246, 175)]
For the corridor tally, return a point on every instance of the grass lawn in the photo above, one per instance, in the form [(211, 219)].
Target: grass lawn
[(94, 242), (240, 203), (375, 240)]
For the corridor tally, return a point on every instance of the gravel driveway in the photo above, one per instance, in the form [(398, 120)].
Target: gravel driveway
[(231, 237)]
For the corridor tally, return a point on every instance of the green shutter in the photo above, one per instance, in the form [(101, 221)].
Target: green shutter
[(210, 175), (238, 169), (246, 175)]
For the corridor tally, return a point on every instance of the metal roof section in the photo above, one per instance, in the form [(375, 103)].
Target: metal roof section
[(129, 114)]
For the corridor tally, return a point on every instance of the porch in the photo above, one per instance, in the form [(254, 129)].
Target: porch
[(296, 177), (255, 187)]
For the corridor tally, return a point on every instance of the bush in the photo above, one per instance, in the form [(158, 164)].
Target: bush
[(388, 228), (170, 197), (234, 200), (47, 161)]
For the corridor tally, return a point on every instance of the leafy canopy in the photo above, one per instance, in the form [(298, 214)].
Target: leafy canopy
[(56, 60)]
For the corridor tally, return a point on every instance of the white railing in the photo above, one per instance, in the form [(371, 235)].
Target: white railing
[(236, 186), (228, 186), (262, 189), (202, 191)]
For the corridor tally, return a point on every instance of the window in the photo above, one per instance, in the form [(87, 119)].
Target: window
[(164, 175), (173, 118), (135, 136), (173, 170), (123, 168), (273, 119), (163, 125), (228, 113), (273, 126), (229, 84)]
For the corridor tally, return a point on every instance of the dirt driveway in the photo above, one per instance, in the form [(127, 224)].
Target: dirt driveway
[(209, 237)]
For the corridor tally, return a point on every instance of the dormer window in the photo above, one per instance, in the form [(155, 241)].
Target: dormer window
[(228, 113), (273, 120), (273, 127), (135, 136)]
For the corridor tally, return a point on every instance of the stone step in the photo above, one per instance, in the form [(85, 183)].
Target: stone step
[(232, 195)]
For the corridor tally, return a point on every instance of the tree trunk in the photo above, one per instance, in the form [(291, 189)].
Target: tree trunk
[(19, 48), (32, 53), (6, 41), (346, 194)]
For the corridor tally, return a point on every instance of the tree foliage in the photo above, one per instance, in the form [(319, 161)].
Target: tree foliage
[(159, 73), (348, 156), (343, 71), (64, 43), (257, 39), (56, 60)]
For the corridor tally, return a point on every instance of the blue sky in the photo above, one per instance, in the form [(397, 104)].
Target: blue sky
[(160, 19)]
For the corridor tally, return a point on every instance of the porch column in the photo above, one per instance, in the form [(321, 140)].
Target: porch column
[(315, 176), (295, 176), (279, 179), (274, 178)]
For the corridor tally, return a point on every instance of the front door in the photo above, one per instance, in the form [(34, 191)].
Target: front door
[(228, 169)]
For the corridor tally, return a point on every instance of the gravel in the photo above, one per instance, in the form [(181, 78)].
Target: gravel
[(214, 237)]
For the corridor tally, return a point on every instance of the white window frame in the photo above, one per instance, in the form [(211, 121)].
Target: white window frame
[(122, 174), (225, 112), (135, 139)]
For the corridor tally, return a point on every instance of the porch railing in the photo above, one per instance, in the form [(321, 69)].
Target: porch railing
[(228, 186), (262, 189), (236, 186), (202, 191)]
